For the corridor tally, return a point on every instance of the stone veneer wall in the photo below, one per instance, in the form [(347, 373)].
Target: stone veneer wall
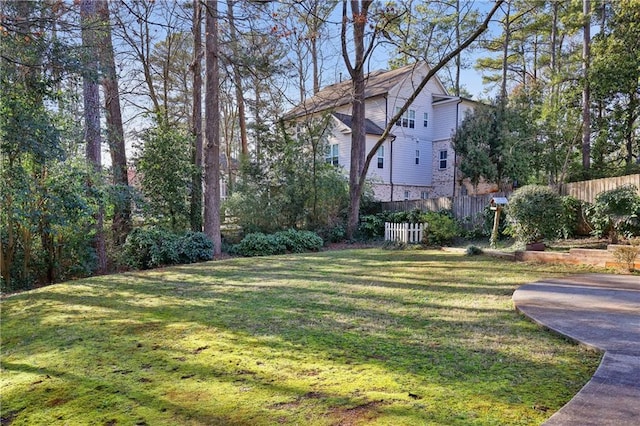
[(442, 179), (382, 192)]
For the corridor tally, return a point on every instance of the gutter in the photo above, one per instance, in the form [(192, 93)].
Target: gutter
[(386, 123), (455, 154)]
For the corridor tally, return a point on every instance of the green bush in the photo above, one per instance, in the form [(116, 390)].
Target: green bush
[(571, 209), (616, 212), (535, 213), (473, 250), (147, 248), (372, 226), (441, 228), (299, 241), (259, 244), (194, 247)]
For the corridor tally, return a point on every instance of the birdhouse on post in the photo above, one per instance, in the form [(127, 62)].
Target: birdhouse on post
[(497, 204)]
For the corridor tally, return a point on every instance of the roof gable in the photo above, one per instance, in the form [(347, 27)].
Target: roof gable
[(370, 127), (378, 83)]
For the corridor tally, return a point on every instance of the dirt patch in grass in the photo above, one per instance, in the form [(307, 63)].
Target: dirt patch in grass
[(359, 415)]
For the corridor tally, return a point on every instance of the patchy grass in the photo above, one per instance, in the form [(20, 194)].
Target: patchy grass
[(345, 337)]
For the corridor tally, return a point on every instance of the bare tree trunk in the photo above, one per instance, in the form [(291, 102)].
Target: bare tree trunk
[(586, 90), (91, 95), (632, 115), (314, 49), (115, 132), (554, 38), (458, 59), (505, 52), (212, 130), (237, 82), (196, 121), (360, 10)]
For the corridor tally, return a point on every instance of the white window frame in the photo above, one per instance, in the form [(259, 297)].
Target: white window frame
[(408, 119), (333, 154), (443, 158), (425, 119), (381, 157), (417, 156)]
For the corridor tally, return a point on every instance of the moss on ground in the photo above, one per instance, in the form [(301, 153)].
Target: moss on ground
[(343, 337)]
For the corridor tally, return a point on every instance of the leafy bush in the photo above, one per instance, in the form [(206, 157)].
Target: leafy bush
[(534, 213), (300, 241), (571, 209), (259, 244), (627, 254), (473, 250), (372, 226), (334, 234), (441, 228), (616, 212), (147, 248), (194, 247)]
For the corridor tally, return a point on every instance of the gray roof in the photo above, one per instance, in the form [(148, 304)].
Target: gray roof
[(378, 83), (370, 127)]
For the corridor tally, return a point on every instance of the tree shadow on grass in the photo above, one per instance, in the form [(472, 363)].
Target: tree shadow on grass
[(342, 322)]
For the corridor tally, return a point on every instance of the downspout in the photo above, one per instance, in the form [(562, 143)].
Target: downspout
[(386, 123), (393, 138), (455, 154)]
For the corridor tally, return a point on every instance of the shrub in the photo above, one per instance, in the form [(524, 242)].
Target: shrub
[(616, 212), (372, 226), (147, 248), (627, 254), (334, 234), (441, 228), (534, 213), (571, 209), (299, 241), (259, 244), (194, 247), (473, 250)]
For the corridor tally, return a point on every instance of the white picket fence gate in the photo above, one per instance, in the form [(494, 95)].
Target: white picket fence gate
[(403, 232)]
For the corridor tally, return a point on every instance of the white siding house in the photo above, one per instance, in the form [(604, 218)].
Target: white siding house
[(417, 159)]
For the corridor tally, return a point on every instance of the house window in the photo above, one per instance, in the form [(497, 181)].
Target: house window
[(408, 119), (425, 121), (332, 154), (443, 159), (417, 156), (381, 157), (424, 195), (406, 195)]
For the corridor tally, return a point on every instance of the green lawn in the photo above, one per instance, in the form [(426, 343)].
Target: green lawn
[(344, 337)]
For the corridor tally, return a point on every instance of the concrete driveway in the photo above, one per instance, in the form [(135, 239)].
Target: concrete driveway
[(603, 312)]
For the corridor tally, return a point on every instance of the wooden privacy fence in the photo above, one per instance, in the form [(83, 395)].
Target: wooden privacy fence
[(589, 189), (403, 232), (466, 208)]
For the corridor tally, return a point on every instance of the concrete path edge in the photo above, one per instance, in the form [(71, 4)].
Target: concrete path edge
[(601, 312)]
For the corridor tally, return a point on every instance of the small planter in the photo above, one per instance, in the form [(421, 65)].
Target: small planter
[(537, 246)]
